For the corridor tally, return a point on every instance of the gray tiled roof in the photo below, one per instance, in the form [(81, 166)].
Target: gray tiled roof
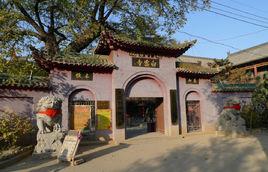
[(250, 54), (194, 68), (196, 59)]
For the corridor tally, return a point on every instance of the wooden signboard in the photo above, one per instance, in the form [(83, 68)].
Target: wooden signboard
[(104, 119), (69, 146)]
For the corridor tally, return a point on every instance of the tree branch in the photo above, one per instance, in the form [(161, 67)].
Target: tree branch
[(85, 38), (29, 19), (36, 9), (101, 11), (63, 37), (95, 10), (111, 10), (31, 33), (52, 22)]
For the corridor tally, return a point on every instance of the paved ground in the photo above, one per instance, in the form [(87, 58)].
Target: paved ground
[(156, 153)]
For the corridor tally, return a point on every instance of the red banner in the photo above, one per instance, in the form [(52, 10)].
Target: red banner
[(235, 106), (51, 112)]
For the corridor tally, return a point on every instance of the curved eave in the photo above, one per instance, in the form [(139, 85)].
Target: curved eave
[(49, 65), (84, 67), (108, 43)]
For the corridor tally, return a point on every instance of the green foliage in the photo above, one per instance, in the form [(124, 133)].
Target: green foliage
[(20, 67), (224, 66), (231, 75), (73, 25), (256, 114), (252, 118), (13, 128)]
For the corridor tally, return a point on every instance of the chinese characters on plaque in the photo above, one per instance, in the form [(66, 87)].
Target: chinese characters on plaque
[(82, 76), (145, 62), (192, 81)]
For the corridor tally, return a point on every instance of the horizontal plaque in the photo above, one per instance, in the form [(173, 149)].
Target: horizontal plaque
[(145, 62), (82, 76), (192, 81)]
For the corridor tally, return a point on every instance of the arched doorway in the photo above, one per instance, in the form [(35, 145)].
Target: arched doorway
[(82, 111), (193, 114), (144, 106)]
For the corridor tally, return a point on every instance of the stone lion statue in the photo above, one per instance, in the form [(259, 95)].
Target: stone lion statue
[(48, 114), (50, 135), (230, 121)]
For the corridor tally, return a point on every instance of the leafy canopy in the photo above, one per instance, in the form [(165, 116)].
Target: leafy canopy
[(73, 25)]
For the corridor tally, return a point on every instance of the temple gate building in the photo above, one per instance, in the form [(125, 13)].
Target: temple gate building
[(126, 88)]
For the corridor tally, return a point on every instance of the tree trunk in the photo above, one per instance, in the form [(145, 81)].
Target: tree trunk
[(51, 46), (88, 36)]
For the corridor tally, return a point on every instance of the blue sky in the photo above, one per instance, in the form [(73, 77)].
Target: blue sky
[(215, 27)]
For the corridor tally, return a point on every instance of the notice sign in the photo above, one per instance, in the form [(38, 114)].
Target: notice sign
[(104, 119), (81, 116), (69, 146)]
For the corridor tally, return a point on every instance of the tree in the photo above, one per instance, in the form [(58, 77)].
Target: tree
[(229, 74), (73, 25), (224, 66), (256, 113)]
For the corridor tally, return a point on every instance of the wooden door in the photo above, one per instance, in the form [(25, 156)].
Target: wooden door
[(160, 118), (193, 116), (81, 116)]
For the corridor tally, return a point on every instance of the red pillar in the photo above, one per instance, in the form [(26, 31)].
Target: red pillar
[(255, 70)]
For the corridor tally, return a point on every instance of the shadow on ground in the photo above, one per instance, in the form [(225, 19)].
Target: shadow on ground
[(102, 152), (32, 164), (220, 155)]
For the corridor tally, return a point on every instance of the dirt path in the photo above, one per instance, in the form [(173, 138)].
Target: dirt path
[(155, 152)]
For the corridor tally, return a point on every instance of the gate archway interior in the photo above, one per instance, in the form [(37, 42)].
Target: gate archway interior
[(144, 107), (82, 111), (193, 113)]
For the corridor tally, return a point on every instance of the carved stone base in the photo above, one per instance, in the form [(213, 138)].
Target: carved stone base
[(48, 144)]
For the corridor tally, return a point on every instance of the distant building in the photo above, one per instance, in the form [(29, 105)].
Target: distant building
[(254, 59)]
